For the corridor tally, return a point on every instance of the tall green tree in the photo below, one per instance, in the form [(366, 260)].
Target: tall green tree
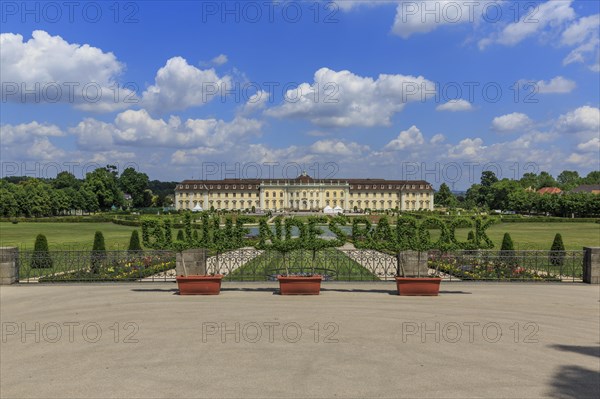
[(445, 197), (568, 180), (135, 183), (103, 182)]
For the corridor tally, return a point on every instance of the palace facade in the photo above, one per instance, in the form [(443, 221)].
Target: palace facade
[(304, 194)]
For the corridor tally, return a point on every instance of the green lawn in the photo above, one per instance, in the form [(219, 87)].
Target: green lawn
[(81, 235), (76, 236), (329, 262), (541, 235)]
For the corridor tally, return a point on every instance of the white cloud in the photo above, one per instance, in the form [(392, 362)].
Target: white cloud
[(179, 85), (437, 139), (336, 147), (583, 120), (584, 34), (255, 103), (591, 146), (219, 60), (581, 30), (94, 135), (138, 128), (407, 138), (588, 160), (511, 122), (24, 132), (344, 99), (467, 149), (61, 72), (557, 84), (455, 106), (42, 149), (425, 16), (551, 15)]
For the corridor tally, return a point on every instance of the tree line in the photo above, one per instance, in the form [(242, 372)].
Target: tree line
[(100, 190), (521, 195)]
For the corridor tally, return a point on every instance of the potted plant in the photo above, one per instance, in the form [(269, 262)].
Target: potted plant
[(303, 281), (408, 243), (208, 283)]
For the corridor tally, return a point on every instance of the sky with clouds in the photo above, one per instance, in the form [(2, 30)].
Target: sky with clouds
[(438, 90)]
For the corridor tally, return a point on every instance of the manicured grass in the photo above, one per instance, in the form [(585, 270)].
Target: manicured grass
[(76, 236), (329, 262), (81, 235), (540, 235)]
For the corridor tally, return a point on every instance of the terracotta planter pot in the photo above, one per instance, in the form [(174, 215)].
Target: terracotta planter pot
[(199, 285), (297, 285), (418, 286)]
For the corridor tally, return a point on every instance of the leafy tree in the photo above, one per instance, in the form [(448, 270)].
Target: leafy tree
[(98, 252), (568, 180), (135, 183), (41, 256), (8, 203), (499, 193), (66, 180), (545, 179), (592, 178), (103, 182), (529, 180), (445, 197), (488, 178), (557, 251)]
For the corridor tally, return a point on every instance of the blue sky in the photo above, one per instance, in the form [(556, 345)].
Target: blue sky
[(393, 89)]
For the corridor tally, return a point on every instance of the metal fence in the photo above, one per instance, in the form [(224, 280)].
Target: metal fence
[(249, 264), (74, 266)]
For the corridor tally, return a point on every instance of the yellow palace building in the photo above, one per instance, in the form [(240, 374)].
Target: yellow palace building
[(304, 194)]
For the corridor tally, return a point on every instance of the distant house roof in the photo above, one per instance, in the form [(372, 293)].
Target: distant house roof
[(549, 190), (587, 188)]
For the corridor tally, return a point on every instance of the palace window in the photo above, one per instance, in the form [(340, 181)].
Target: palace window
[(266, 194), (186, 186), (281, 194)]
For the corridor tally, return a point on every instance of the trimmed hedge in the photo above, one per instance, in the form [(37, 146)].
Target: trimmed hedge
[(62, 219)]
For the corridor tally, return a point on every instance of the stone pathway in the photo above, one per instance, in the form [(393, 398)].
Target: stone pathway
[(228, 262), (382, 265)]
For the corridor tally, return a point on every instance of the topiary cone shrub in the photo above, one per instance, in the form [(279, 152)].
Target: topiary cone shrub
[(180, 235), (98, 252), (134, 243), (557, 251), (41, 256), (507, 250)]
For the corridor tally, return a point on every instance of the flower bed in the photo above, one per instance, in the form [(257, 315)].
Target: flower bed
[(132, 269), (479, 269)]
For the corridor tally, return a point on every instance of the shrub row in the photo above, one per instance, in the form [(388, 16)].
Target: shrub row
[(62, 219)]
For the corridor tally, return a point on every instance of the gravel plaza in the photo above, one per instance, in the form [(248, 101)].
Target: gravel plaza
[(355, 340)]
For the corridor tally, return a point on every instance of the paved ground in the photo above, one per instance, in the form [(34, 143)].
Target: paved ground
[(357, 341)]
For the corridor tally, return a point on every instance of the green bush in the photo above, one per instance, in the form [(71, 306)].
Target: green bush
[(471, 236), (507, 243), (134, 242), (41, 256), (98, 252), (180, 235), (557, 251), (507, 250)]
